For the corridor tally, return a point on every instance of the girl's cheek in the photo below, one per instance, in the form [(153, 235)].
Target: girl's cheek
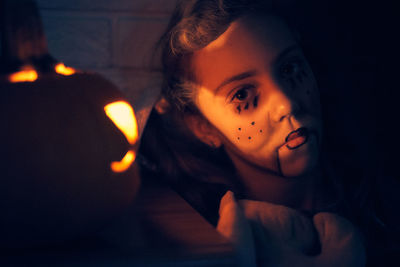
[(248, 132)]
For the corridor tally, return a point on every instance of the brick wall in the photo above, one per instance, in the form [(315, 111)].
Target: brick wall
[(111, 37)]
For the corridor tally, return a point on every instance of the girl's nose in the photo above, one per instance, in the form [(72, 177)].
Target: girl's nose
[(282, 105)]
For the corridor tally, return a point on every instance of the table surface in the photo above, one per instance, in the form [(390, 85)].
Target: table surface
[(160, 229)]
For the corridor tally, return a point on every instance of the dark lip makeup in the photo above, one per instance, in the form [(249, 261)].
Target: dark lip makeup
[(300, 132)]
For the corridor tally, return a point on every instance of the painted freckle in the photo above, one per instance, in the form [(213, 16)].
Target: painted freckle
[(247, 106), (238, 138), (252, 123), (260, 131), (249, 137), (255, 101), (239, 109), (240, 129)]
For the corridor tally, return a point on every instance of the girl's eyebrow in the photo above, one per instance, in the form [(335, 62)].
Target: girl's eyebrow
[(286, 51), (244, 75), (238, 77)]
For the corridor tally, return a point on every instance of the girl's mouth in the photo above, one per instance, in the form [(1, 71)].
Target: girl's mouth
[(297, 138)]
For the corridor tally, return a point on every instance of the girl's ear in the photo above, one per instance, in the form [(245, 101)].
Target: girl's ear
[(203, 130), (162, 105)]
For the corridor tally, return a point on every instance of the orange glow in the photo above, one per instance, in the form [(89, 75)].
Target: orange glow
[(125, 163), (122, 115), (27, 75), (62, 69)]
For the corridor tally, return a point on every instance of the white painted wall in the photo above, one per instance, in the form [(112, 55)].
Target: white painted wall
[(112, 37)]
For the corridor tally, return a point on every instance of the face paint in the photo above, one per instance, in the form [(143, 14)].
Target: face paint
[(294, 72), (297, 138), (241, 69), (255, 101), (278, 163), (298, 153)]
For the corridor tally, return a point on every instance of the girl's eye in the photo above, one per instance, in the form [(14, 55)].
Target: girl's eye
[(290, 69), (242, 94)]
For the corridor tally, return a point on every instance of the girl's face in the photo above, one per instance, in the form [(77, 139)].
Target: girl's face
[(259, 94)]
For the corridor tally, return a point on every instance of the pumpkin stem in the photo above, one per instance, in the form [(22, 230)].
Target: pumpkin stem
[(22, 37)]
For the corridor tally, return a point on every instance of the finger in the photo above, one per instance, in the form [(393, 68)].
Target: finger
[(282, 224), (341, 242), (234, 226), (273, 252), (230, 219), (334, 230), (227, 200), (272, 217), (252, 208)]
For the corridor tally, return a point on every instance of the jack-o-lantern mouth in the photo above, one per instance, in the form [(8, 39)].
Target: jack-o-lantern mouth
[(124, 163), (122, 115)]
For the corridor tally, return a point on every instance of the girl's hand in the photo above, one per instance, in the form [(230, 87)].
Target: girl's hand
[(285, 237), (233, 225)]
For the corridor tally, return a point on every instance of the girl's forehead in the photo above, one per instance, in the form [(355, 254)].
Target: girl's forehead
[(248, 43), (250, 32), (269, 29)]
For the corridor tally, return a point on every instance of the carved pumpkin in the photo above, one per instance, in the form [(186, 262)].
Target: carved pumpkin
[(68, 142)]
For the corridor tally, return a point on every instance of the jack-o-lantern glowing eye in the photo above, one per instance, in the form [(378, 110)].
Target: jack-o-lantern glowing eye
[(27, 75), (125, 163), (60, 68), (122, 115)]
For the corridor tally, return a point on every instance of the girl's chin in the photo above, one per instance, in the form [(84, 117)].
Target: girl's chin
[(299, 161)]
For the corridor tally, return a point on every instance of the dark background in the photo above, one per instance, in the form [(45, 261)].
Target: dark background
[(350, 45)]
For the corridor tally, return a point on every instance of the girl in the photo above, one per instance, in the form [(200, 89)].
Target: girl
[(240, 111)]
